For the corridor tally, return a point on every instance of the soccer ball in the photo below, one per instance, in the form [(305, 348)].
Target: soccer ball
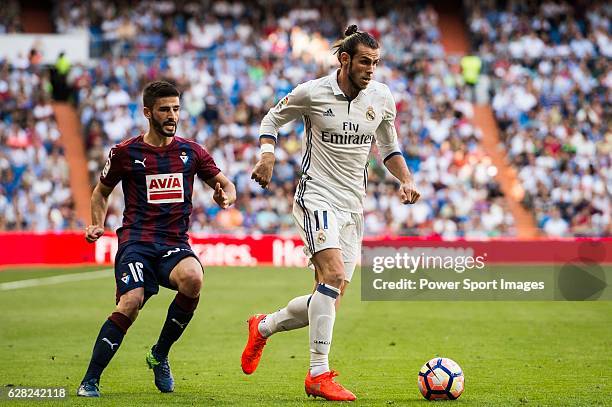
[(441, 379)]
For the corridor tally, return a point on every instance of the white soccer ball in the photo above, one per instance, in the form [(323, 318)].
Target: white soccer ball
[(441, 379)]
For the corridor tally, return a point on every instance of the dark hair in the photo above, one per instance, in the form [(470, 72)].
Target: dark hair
[(156, 90), (352, 38)]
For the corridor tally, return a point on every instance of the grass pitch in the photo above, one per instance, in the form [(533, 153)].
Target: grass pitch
[(512, 353)]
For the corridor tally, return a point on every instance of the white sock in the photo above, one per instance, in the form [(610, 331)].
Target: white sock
[(321, 314), (293, 316)]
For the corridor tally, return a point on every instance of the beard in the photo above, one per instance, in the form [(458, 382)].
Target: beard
[(159, 127), (354, 78)]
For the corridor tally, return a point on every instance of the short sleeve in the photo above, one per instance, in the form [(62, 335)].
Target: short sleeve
[(386, 135), (112, 171), (207, 168), (289, 108)]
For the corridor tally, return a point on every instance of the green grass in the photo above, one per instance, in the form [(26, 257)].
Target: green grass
[(512, 353), (21, 273)]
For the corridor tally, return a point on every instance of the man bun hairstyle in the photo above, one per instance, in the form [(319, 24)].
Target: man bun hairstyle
[(156, 90), (352, 38), (350, 30)]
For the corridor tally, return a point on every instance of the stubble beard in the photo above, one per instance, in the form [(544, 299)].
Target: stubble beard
[(354, 83), (159, 128)]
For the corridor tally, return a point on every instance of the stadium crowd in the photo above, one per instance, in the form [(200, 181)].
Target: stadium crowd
[(547, 65), (10, 21), (34, 176), (235, 63), (551, 87)]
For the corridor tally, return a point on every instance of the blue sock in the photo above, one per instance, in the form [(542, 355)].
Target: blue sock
[(106, 345), (179, 314)]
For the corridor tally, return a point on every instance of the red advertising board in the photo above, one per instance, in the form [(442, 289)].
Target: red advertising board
[(71, 248)]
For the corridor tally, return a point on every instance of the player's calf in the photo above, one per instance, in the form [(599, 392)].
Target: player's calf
[(322, 311), (179, 315), (261, 327), (109, 339), (293, 316), (107, 343)]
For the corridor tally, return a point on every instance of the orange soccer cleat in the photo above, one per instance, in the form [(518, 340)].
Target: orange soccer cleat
[(324, 386), (254, 346)]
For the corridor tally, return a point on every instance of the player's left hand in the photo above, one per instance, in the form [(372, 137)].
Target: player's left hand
[(408, 192), (220, 197)]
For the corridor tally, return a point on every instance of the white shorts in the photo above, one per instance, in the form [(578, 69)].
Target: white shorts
[(323, 226)]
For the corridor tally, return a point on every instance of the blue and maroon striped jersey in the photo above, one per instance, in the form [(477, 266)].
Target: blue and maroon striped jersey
[(157, 186)]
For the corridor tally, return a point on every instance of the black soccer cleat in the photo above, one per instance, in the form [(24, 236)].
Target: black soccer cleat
[(89, 388)]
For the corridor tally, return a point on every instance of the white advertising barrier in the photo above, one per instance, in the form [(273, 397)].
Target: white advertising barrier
[(75, 46)]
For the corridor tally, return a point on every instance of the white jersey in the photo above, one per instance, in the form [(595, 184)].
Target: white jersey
[(338, 137)]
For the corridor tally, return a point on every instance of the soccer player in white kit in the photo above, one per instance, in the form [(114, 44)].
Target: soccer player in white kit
[(343, 114)]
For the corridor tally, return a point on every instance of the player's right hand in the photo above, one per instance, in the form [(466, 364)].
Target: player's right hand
[(93, 233), (262, 173), (220, 197)]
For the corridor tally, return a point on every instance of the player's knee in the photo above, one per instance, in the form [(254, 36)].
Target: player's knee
[(333, 273), (191, 280)]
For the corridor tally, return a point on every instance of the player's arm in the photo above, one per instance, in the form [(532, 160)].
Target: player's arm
[(386, 140), (288, 109), (99, 205), (225, 191), (111, 175), (398, 168), (262, 173)]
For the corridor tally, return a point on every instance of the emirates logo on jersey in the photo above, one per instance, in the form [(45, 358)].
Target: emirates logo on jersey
[(165, 188)]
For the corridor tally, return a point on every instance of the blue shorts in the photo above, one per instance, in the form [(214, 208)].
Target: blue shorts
[(147, 265)]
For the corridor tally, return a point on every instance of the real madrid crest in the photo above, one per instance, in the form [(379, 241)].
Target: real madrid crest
[(370, 114), (321, 237)]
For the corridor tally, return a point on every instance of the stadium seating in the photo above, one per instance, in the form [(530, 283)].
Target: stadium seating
[(551, 76), (225, 95), (34, 190), (548, 76), (9, 17)]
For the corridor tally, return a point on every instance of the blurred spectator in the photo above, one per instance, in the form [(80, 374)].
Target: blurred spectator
[(551, 91), (233, 62), (232, 71), (10, 22), (34, 189), (470, 69), (59, 78)]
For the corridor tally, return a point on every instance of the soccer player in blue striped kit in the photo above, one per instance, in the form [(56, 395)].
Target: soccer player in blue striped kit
[(157, 172)]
